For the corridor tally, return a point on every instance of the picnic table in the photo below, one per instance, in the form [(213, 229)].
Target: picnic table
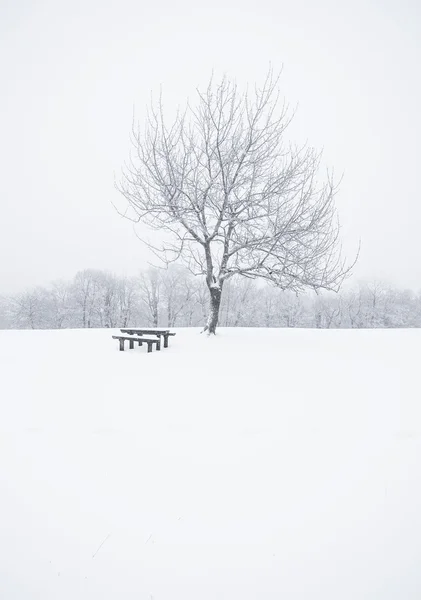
[(165, 333)]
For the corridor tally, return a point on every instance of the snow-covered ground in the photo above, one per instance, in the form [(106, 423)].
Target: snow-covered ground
[(259, 464)]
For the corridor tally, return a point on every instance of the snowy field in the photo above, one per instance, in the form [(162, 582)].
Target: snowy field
[(256, 465)]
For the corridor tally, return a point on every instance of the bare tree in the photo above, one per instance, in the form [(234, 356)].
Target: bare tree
[(327, 311), (127, 299), (29, 309), (270, 307), (239, 303), (234, 196), (87, 298), (179, 294), (150, 294), (107, 306), (291, 310), (376, 297), (59, 296)]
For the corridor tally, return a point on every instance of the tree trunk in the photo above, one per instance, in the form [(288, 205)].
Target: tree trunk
[(214, 306)]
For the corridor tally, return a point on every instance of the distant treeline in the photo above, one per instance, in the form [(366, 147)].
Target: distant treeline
[(175, 298)]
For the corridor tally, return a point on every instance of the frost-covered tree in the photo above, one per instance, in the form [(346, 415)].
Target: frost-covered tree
[(240, 303), (60, 305), (174, 297), (270, 304), (291, 310), (327, 311), (94, 296), (179, 291), (108, 306), (150, 284), (233, 195), (30, 309), (128, 300), (83, 295)]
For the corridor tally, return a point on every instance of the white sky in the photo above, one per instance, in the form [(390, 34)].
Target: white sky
[(71, 72)]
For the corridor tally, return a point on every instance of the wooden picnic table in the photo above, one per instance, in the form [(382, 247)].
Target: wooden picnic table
[(165, 333)]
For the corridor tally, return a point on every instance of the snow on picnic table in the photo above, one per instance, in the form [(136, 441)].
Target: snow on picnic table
[(275, 464)]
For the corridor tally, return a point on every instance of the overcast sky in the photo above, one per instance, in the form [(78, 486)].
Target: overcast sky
[(71, 72)]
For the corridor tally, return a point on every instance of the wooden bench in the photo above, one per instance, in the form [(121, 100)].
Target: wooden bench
[(140, 341), (165, 333)]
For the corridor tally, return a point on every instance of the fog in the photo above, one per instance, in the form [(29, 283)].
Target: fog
[(72, 72)]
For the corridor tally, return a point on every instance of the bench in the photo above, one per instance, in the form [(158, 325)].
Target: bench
[(165, 333), (140, 341)]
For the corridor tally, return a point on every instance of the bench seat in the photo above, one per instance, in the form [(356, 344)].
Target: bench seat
[(139, 340)]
